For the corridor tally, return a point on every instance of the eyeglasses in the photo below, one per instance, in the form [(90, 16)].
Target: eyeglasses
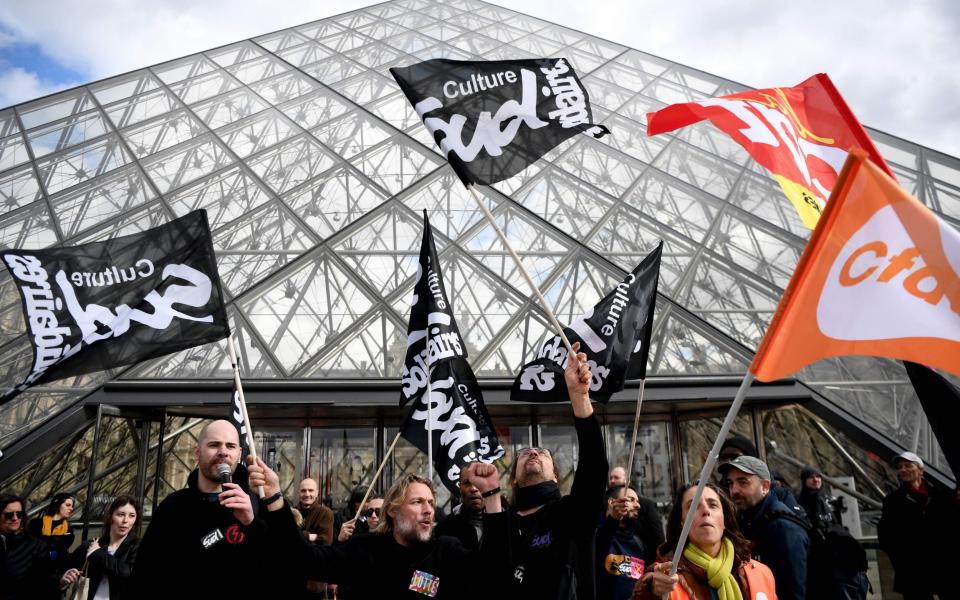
[(371, 511), (527, 451), (13, 514)]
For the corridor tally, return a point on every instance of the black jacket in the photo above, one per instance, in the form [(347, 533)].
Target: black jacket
[(26, 571), (196, 548), (551, 551), (910, 531), (462, 526), (118, 568), (781, 541), (374, 565)]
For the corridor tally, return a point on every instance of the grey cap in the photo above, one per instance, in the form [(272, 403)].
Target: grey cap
[(747, 464)]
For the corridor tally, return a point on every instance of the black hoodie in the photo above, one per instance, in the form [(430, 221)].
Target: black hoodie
[(195, 548)]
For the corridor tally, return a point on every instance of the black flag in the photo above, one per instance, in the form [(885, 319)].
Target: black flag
[(614, 334), (462, 431), (235, 416), (492, 119), (432, 335), (107, 304), (940, 400)]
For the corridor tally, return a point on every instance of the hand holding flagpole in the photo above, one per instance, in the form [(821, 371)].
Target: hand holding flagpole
[(243, 403)]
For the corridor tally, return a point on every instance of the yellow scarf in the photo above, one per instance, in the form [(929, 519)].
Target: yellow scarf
[(48, 529), (719, 570)]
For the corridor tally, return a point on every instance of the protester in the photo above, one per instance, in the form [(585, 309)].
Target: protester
[(617, 478), (369, 519), (203, 533), (627, 542), (317, 518), (401, 559), (738, 445), (466, 524), (910, 530), (26, 571), (551, 544), (837, 564), (779, 536), (716, 560), (109, 559), (53, 528)]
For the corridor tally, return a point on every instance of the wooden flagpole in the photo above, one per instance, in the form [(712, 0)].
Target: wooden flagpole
[(633, 440), (376, 475), (243, 404)]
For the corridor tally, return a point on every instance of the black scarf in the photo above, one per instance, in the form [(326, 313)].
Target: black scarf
[(532, 496)]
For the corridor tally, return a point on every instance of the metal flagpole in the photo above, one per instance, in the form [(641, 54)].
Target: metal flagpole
[(243, 404), (376, 476), (708, 468), (516, 259), (633, 440)]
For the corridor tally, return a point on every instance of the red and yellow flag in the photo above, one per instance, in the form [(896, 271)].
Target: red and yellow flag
[(800, 134), (880, 276)]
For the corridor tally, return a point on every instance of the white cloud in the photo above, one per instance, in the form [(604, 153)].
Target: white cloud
[(17, 85), (894, 62)]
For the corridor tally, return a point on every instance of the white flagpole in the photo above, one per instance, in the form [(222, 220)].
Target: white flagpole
[(633, 440), (243, 403), (708, 468), (523, 271)]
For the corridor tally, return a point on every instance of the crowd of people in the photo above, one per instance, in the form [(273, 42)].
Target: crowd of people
[(230, 532)]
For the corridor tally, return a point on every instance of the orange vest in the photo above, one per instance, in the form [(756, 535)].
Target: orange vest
[(760, 583)]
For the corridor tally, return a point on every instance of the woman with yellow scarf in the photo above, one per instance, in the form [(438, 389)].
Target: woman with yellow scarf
[(716, 563)]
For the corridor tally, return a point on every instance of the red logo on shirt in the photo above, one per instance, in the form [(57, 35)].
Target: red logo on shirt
[(234, 535)]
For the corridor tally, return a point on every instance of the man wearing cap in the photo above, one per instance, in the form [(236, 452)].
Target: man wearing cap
[(780, 538), (737, 445), (909, 525)]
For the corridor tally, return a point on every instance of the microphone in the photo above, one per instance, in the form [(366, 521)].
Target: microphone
[(226, 475)]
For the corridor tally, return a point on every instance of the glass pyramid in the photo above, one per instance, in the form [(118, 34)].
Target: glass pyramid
[(313, 169)]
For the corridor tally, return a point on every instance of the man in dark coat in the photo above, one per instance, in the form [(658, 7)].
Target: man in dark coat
[(199, 536), (551, 544), (913, 519), (780, 538), (466, 524)]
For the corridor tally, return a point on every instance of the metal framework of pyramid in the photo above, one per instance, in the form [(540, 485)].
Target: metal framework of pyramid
[(313, 168)]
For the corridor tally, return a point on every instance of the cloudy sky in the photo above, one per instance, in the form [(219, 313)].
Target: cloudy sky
[(895, 62)]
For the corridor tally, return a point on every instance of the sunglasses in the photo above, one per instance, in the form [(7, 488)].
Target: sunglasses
[(13, 514), (527, 451), (371, 511)]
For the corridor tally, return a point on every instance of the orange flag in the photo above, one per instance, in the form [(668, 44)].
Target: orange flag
[(800, 134), (880, 276)]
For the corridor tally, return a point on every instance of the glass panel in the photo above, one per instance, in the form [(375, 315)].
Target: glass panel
[(54, 108), (283, 88), (352, 134), (697, 437), (201, 88), (698, 168), (366, 87), (125, 86), (282, 450), (292, 163), (597, 164), (348, 40), (256, 245), (226, 196), (340, 460), (8, 123), (474, 43), (18, 187), (184, 68), (316, 108), (151, 215), (305, 54), (373, 347), (75, 166), (682, 349), (334, 200), (380, 57), (297, 314), (141, 108), (30, 227), (235, 53), (101, 200), (757, 249), (652, 468), (452, 209), (227, 109), (63, 134), (319, 29), (623, 76), (186, 163), (333, 69), (255, 70), (564, 202), (257, 133), (761, 196), (275, 42), (683, 208), (163, 133), (396, 164)]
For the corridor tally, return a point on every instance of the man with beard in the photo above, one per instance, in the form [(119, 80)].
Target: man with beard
[(467, 524), (551, 537), (202, 533), (780, 538), (401, 559)]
